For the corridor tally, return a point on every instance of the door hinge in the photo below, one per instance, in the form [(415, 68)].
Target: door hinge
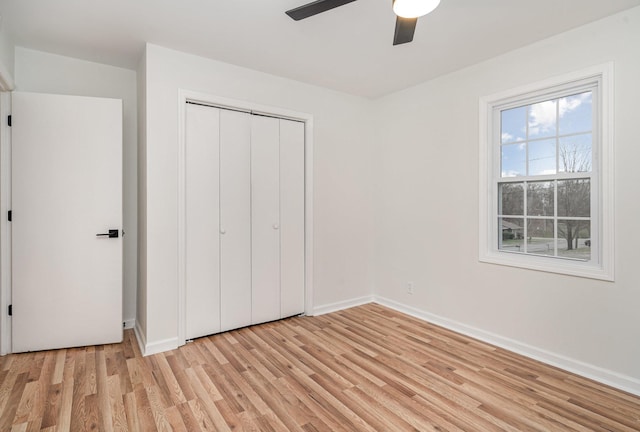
[(9, 120), (9, 215), (10, 310)]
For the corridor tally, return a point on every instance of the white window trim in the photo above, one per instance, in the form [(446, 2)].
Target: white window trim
[(601, 268)]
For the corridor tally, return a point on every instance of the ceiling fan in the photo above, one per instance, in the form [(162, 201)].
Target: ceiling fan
[(407, 11)]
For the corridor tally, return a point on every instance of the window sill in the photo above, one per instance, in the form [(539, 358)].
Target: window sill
[(549, 265)]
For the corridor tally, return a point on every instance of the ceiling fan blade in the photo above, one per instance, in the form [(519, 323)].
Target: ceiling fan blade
[(405, 28), (315, 8)]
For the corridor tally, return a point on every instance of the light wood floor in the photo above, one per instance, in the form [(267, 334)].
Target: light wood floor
[(363, 369)]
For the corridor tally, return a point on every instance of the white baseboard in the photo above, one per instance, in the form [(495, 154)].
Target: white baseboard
[(129, 323), (335, 307), (160, 346), (142, 341), (147, 348), (605, 376)]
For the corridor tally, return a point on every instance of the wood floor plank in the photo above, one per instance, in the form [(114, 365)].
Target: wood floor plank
[(284, 403), (145, 416), (251, 382), (369, 406), (134, 366), (220, 379), (90, 364), (173, 387), (8, 414), (202, 418), (102, 390), (52, 406), (164, 390), (206, 401), (131, 412), (118, 415), (177, 369), (158, 406), (368, 368), (123, 372), (34, 426), (79, 382), (189, 419), (92, 418), (58, 371), (344, 413), (27, 402), (130, 347), (174, 418), (66, 403), (20, 427), (235, 387), (317, 405), (258, 350)]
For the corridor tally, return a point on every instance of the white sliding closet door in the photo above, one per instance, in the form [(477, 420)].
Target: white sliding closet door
[(202, 241), (265, 218), (235, 219), (291, 218)]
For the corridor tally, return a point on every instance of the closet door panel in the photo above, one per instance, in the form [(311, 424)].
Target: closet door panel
[(265, 220), (291, 217), (202, 239), (235, 219)]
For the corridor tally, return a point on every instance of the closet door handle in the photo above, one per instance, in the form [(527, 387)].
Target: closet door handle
[(223, 231), (276, 226)]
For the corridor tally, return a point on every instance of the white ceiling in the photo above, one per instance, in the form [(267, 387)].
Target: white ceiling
[(348, 49)]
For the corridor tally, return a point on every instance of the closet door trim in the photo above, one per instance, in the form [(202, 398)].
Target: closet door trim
[(188, 96)]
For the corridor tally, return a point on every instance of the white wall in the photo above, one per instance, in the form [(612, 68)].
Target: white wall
[(342, 179), (37, 71), (426, 208), (7, 57)]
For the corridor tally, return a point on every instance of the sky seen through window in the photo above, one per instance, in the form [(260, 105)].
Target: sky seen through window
[(547, 137)]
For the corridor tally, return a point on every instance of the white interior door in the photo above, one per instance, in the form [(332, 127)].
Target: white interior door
[(66, 189), (265, 218), (235, 219), (202, 244)]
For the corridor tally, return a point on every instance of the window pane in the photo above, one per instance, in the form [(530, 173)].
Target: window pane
[(540, 198), (575, 114), (542, 119), (514, 160), (575, 153), (511, 199), (540, 237), (574, 198), (513, 124), (511, 234), (574, 239), (542, 157)]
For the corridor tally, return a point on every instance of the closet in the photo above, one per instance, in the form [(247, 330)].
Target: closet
[(244, 219)]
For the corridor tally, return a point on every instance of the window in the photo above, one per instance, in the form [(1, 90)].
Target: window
[(545, 187)]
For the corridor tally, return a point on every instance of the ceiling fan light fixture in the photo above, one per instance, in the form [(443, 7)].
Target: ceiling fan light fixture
[(414, 8)]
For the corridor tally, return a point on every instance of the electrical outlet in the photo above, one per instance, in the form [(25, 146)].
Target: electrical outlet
[(410, 287)]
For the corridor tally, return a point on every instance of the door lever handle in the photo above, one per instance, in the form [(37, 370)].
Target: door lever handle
[(113, 233)]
